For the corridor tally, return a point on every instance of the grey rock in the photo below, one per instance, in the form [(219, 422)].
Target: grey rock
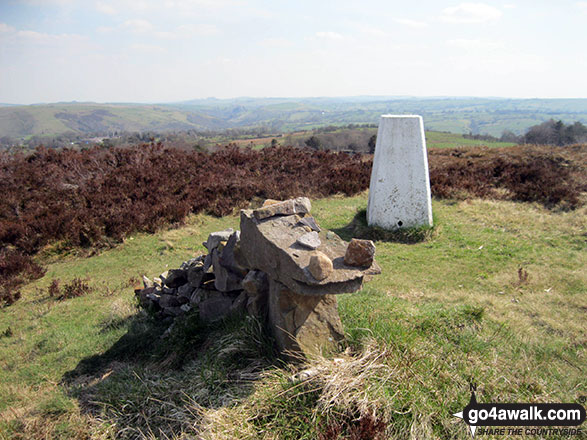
[(186, 265), (215, 308), (215, 238), (147, 296), (255, 283), (311, 223), (225, 280), (185, 307), (169, 290), (163, 277), (311, 240), (147, 282), (195, 275), (302, 324), (166, 301), (154, 296), (176, 278), (269, 245), (228, 271), (228, 255), (173, 311), (240, 303), (300, 205), (257, 305), (186, 291), (198, 296)]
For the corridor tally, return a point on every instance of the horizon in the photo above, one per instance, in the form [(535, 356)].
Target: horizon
[(342, 97), (147, 51)]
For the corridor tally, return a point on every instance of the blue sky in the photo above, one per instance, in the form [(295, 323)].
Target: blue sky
[(172, 50)]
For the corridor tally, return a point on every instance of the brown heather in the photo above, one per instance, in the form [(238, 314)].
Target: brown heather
[(98, 196)]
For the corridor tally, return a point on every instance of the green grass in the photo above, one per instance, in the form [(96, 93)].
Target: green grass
[(449, 306), (438, 139)]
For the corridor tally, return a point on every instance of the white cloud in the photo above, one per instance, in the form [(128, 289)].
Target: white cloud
[(137, 25), (582, 6), (276, 42), (329, 35), (190, 5), (411, 23), (146, 48), (470, 13), (105, 8), (509, 6), (202, 29), (4, 28), (476, 44)]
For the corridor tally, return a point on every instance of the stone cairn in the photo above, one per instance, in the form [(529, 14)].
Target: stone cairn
[(281, 267)]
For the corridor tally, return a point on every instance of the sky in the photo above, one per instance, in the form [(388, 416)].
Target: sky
[(175, 50)]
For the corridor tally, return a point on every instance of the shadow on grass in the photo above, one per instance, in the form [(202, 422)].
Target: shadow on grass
[(153, 381), (358, 228)]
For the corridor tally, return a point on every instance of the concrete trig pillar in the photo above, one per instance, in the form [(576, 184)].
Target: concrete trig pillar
[(399, 192)]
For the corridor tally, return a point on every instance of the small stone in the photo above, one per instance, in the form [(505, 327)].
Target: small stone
[(320, 266), (192, 262), (309, 240), (225, 280), (255, 283), (173, 311), (240, 303), (176, 278), (257, 306), (198, 296), (154, 296), (215, 238), (144, 296), (270, 202), (186, 291), (311, 223), (215, 308), (147, 282), (157, 282), (163, 277), (186, 307), (360, 253), (195, 275), (169, 290), (167, 301), (330, 235), (300, 205)]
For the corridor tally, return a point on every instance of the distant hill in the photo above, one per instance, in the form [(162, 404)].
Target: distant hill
[(55, 119), (458, 115)]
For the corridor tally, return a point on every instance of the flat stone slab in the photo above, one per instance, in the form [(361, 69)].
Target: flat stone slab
[(269, 245)]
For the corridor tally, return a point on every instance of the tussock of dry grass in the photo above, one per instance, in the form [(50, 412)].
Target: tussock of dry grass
[(343, 396)]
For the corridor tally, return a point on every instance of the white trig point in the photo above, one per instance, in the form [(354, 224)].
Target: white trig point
[(399, 192)]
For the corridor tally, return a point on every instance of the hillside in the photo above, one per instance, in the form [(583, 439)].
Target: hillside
[(55, 119), (93, 367), (458, 115)]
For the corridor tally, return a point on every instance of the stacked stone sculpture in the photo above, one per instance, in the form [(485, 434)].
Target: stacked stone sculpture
[(281, 267)]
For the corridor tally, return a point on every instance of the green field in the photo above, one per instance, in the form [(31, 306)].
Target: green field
[(494, 293), (284, 115)]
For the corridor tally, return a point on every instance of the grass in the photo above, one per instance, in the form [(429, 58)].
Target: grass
[(452, 305), (439, 139)]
